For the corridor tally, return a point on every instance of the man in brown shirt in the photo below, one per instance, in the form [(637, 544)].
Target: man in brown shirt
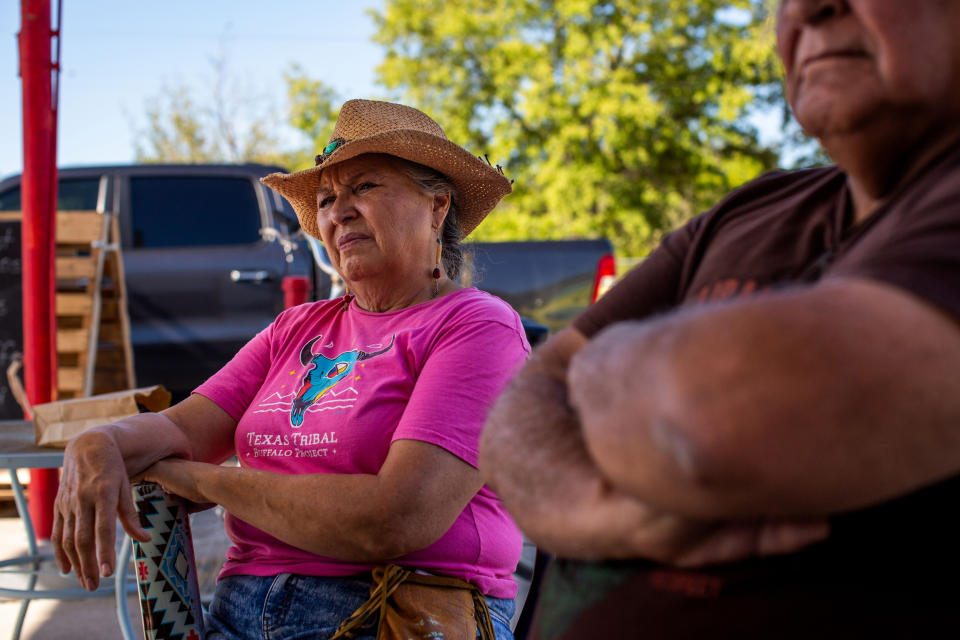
[(756, 434)]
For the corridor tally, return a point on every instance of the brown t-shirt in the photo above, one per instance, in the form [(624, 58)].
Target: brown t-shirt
[(887, 571)]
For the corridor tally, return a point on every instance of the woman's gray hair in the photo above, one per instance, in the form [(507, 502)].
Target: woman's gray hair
[(435, 183)]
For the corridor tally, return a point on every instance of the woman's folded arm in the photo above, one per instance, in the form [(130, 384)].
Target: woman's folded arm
[(412, 502)]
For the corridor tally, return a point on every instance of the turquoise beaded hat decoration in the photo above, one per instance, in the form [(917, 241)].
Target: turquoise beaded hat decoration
[(368, 126), (327, 150)]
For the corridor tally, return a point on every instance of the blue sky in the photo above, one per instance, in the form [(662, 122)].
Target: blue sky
[(117, 54)]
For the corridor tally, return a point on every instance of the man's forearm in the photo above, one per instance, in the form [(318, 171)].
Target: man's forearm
[(532, 454), (800, 403), (530, 432), (529, 420)]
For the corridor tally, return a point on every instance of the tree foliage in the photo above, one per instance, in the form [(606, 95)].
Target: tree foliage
[(617, 118), (312, 111), (229, 124)]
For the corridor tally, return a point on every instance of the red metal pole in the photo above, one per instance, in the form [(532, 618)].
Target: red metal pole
[(38, 189)]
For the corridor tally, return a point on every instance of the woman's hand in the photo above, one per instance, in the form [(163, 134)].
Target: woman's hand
[(179, 477), (97, 467), (94, 492)]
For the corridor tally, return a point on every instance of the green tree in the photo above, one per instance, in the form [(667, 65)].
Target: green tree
[(619, 118), (312, 111)]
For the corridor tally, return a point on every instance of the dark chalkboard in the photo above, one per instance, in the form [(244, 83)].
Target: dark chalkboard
[(11, 308)]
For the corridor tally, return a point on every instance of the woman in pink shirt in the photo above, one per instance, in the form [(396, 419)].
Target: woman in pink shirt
[(355, 421)]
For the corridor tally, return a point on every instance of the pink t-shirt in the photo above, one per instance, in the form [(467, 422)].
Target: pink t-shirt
[(323, 390)]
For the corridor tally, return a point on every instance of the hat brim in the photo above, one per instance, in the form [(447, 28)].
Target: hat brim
[(479, 186)]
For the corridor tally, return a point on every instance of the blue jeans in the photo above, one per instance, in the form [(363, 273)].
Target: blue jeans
[(295, 607)]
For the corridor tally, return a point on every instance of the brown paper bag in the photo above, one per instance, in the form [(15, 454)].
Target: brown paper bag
[(56, 423)]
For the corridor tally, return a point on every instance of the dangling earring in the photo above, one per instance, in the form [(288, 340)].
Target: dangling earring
[(346, 296), (436, 269)]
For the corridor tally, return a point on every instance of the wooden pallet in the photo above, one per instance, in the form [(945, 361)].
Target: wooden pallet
[(93, 329)]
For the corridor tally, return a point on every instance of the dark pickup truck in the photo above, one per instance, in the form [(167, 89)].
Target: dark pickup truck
[(206, 249)]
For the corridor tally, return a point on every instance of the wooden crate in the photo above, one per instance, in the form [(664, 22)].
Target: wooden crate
[(93, 329)]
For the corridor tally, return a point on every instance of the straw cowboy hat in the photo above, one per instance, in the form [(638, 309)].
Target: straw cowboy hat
[(366, 126)]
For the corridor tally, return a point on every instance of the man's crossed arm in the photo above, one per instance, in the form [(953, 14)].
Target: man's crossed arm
[(730, 430)]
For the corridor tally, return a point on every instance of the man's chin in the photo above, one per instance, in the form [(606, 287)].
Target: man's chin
[(825, 118), (835, 108)]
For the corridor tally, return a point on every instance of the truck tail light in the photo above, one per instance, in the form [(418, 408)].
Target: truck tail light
[(606, 275)]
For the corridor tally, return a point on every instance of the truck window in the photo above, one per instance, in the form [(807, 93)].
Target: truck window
[(10, 200), (78, 194), (193, 211), (73, 194)]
